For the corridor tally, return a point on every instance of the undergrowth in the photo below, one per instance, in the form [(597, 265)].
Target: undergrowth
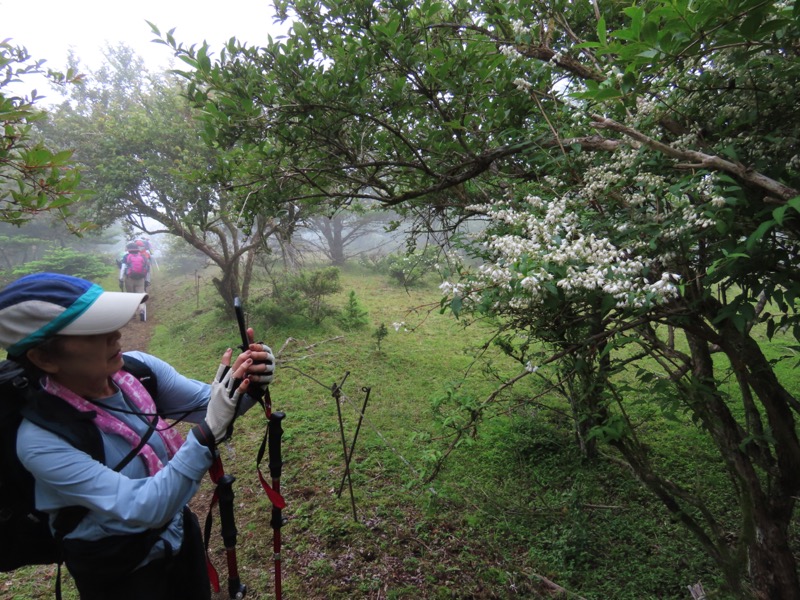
[(516, 510), (514, 505)]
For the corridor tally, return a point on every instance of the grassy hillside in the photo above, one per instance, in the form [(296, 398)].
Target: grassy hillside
[(515, 513)]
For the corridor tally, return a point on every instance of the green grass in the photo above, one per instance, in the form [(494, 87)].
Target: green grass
[(514, 504)]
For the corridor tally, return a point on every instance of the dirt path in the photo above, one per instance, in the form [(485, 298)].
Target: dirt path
[(136, 334)]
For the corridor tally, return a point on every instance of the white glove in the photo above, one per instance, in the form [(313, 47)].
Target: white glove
[(221, 409)]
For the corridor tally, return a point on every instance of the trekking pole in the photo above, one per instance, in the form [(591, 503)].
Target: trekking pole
[(224, 495), (272, 441), (353, 444), (272, 438), (275, 464), (228, 525), (235, 588)]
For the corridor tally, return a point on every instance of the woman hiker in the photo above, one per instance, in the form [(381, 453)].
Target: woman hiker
[(135, 538)]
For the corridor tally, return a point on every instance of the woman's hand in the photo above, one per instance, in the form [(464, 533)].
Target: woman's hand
[(262, 370), (229, 384)]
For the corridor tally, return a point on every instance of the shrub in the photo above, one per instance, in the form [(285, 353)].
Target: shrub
[(303, 295), (69, 262), (380, 333), (407, 268)]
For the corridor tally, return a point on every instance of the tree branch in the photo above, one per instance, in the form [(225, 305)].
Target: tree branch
[(701, 159)]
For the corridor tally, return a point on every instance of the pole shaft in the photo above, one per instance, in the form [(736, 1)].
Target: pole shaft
[(275, 465)]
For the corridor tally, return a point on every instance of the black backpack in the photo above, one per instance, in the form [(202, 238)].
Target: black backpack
[(24, 531)]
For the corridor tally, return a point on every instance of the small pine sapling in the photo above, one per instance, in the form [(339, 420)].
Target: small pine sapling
[(380, 333), (353, 315)]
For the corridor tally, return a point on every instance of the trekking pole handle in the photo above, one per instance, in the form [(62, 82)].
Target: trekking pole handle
[(225, 490), (274, 444), (236, 590), (237, 308)]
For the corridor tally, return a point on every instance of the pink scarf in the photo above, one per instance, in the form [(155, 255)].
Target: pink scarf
[(134, 391)]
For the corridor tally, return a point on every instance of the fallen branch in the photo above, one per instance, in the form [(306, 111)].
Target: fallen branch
[(308, 346), (550, 585)]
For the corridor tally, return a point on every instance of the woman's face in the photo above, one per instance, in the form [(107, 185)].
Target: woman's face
[(81, 358)]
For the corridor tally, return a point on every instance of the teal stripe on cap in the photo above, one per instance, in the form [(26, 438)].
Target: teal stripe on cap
[(75, 310)]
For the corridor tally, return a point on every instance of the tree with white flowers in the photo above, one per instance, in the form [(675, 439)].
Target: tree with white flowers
[(638, 166)]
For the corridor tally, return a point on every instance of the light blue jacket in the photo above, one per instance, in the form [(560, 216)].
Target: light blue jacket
[(130, 501)]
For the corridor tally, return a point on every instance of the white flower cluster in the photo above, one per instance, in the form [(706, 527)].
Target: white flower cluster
[(643, 194), (468, 294), (523, 85), (707, 189), (599, 179), (553, 249), (519, 27), (510, 52), (646, 105), (685, 142)]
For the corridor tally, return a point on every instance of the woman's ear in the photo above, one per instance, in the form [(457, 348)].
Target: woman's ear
[(42, 360)]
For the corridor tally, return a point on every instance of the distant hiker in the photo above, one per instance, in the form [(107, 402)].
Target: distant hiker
[(147, 245), (134, 537), (134, 274), (144, 245)]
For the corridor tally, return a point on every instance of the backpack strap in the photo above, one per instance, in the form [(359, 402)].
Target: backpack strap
[(53, 414), (78, 429), (143, 373)]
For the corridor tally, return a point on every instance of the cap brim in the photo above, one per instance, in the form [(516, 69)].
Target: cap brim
[(110, 312)]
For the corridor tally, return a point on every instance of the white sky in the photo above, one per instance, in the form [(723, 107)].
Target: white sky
[(49, 28)]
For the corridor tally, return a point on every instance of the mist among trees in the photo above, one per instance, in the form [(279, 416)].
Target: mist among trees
[(613, 187)]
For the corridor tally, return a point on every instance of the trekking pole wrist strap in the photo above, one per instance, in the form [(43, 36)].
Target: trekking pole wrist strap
[(203, 434)]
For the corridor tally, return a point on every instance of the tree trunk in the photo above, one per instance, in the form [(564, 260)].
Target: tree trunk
[(766, 495), (337, 244), (772, 566), (228, 285)]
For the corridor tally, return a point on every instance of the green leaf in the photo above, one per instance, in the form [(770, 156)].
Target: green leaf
[(751, 24), (455, 305), (758, 234), (779, 213), (602, 34), (636, 14)]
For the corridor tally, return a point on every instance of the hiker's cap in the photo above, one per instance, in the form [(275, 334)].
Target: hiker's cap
[(37, 307), (132, 247)]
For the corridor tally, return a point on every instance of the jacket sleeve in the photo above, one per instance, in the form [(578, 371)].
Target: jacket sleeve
[(66, 476), (179, 397)]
